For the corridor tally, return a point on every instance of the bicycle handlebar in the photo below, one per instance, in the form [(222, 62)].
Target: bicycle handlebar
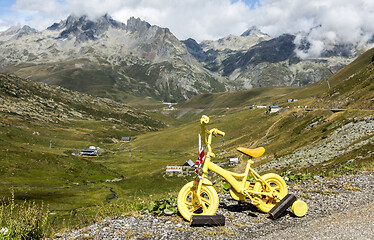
[(205, 120), (204, 132), (220, 132)]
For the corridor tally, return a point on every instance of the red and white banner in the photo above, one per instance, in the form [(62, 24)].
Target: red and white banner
[(200, 158)]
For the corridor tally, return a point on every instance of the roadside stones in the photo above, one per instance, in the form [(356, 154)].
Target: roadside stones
[(344, 139), (326, 198)]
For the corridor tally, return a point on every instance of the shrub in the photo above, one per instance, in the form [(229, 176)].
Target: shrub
[(166, 206), (289, 176), (27, 220)]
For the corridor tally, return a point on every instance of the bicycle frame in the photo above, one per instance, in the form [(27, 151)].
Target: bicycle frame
[(230, 177), (199, 196)]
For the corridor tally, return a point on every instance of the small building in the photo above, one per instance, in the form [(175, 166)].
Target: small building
[(185, 170), (233, 161), (273, 109), (171, 170), (188, 167), (125, 139), (170, 106), (260, 106), (189, 163), (92, 151), (292, 100)]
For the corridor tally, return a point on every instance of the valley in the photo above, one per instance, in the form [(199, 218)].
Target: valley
[(74, 187), (95, 94)]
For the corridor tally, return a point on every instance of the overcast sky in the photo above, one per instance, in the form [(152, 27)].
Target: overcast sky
[(333, 21)]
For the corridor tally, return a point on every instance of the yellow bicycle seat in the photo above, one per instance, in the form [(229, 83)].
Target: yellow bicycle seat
[(256, 152)]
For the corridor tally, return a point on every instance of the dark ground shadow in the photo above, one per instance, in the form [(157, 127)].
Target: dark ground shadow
[(241, 206), (251, 210)]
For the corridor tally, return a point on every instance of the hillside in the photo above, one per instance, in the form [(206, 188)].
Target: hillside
[(350, 87), (53, 104), (42, 125), (339, 117), (353, 86)]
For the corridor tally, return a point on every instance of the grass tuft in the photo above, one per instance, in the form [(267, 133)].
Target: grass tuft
[(26, 220)]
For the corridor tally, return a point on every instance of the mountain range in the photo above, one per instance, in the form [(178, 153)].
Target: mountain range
[(108, 58)]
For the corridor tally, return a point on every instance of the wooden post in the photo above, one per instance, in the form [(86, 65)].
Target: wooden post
[(282, 206), (205, 220)]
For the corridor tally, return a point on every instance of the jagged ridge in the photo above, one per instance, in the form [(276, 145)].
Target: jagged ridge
[(110, 57)]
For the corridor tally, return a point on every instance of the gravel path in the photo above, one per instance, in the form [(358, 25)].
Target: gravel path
[(339, 208)]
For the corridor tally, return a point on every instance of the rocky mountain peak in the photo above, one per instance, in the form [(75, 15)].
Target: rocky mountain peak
[(107, 20), (17, 32), (84, 28), (195, 49), (248, 39), (254, 31), (136, 24)]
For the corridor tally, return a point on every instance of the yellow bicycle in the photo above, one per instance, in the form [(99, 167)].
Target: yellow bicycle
[(200, 198)]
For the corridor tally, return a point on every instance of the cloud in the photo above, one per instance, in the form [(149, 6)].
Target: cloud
[(208, 19), (322, 22), (338, 21)]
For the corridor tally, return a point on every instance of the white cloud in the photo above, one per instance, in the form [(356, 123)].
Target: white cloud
[(340, 21), (209, 19)]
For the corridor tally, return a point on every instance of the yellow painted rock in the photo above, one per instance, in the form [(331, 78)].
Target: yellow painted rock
[(299, 208)]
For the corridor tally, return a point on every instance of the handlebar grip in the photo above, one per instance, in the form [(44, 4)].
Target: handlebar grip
[(204, 119), (220, 133)]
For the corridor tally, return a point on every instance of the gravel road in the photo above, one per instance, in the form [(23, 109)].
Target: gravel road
[(339, 208)]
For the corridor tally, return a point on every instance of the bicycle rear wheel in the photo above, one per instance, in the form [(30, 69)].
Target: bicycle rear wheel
[(278, 184)]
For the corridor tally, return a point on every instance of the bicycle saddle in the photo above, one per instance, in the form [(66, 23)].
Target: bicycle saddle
[(256, 152)]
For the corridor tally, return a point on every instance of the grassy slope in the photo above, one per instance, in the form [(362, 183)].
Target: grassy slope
[(78, 75), (350, 87), (255, 96), (65, 182)]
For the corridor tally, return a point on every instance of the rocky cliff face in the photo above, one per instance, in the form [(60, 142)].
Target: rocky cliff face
[(109, 57), (254, 59)]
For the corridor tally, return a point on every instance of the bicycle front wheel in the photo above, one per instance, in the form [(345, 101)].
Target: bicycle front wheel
[(208, 206)]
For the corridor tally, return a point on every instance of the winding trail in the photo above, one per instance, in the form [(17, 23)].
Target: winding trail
[(267, 133)]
